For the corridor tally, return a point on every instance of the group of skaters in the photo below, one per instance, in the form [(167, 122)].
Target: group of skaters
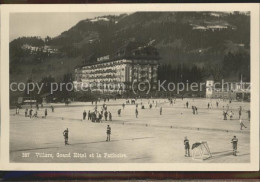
[(230, 113), (97, 116), (33, 113)]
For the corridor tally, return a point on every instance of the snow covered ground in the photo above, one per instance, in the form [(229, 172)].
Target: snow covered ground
[(150, 138)]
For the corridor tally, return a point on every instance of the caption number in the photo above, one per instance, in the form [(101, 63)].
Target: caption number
[(25, 154)]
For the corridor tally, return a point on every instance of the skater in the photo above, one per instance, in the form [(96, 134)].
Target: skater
[(123, 105), (241, 124), (225, 115), (217, 104), (46, 113), (93, 117), (26, 112), (30, 113), (234, 142), (231, 115), (110, 116), (187, 104), (136, 112), (89, 115), (119, 112), (66, 136), (193, 109), (84, 114), (160, 110), (35, 114), (106, 114), (208, 105), (248, 112), (108, 133), (52, 109), (239, 113), (187, 147), (17, 110), (196, 110), (100, 117)]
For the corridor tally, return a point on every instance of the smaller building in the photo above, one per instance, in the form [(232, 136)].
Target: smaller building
[(228, 90)]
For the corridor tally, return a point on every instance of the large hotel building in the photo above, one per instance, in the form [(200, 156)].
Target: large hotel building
[(130, 65)]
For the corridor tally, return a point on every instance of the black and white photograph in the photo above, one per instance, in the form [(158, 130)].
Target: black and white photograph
[(128, 86)]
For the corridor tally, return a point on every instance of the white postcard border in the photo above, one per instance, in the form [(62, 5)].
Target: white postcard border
[(254, 134)]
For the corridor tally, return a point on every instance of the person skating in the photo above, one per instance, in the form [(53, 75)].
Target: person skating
[(84, 114), (231, 115), (225, 115), (187, 104), (89, 115), (66, 136), (160, 110), (100, 117), (17, 110), (46, 113), (35, 114), (248, 112), (234, 141), (110, 116), (106, 114), (241, 124), (187, 147), (239, 113), (108, 133), (26, 112), (193, 109), (52, 109), (119, 112), (30, 113), (123, 105), (196, 110), (136, 112)]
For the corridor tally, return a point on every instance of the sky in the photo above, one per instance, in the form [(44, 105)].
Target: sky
[(43, 24)]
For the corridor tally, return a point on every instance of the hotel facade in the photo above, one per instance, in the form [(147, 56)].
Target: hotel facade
[(132, 64)]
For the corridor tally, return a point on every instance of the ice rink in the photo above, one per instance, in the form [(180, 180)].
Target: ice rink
[(150, 138)]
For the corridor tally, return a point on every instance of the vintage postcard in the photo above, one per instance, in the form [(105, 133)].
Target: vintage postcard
[(130, 87)]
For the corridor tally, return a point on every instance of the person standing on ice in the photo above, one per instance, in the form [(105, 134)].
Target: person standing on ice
[(119, 112), (106, 114), (66, 136), (160, 110), (136, 112), (52, 108), (110, 116), (239, 112), (187, 147), (89, 115), (84, 114), (46, 113), (108, 133), (234, 142)]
